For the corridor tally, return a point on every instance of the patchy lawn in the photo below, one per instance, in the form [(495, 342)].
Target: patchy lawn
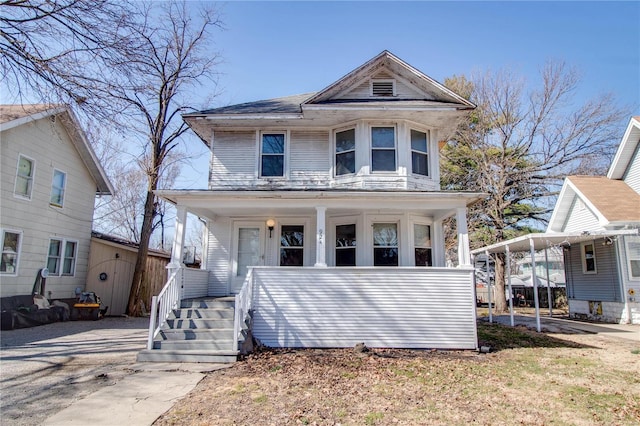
[(528, 378)]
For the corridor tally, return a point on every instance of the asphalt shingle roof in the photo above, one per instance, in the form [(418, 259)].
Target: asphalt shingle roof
[(614, 199)]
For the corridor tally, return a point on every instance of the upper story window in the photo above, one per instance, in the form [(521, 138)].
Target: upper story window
[(588, 254), (383, 149), (24, 177), (384, 88), (10, 252), (419, 158), (346, 152), (272, 155), (57, 188)]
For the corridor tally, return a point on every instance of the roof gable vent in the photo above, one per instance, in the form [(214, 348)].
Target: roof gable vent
[(383, 88)]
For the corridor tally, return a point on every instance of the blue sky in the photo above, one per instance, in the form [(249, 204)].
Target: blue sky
[(272, 49)]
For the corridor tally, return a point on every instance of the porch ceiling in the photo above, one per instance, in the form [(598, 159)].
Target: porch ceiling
[(209, 204)]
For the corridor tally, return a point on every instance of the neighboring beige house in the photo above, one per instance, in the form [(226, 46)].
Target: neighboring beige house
[(49, 179)]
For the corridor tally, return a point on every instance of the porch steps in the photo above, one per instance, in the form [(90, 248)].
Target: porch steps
[(201, 330)]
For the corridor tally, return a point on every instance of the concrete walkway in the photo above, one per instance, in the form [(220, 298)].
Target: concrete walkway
[(564, 325)]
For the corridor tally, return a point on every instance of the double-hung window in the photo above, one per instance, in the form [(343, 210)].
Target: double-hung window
[(10, 252), (383, 149), (272, 155), (346, 152), (385, 244), (61, 259), (633, 254), (292, 245), (419, 158), (24, 177), (422, 244), (57, 188), (346, 245), (588, 254)]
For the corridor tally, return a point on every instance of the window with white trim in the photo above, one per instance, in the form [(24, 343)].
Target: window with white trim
[(272, 155), (10, 252), (57, 188), (419, 158), (345, 152), (385, 244), (346, 245), (633, 257), (61, 259), (383, 149), (422, 244), (24, 177), (292, 245), (588, 255)]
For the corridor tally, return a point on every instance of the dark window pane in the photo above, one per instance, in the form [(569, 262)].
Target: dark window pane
[(291, 257), (346, 140), (346, 163), (418, 141), (419, 164), (292, 236), (346, 235), (385, 257), (273, 144), (383, 160), (346, 256), (383, 137), (272, 165), (423, 257)]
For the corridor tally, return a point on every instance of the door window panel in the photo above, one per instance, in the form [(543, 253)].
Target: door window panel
[(248, 249)]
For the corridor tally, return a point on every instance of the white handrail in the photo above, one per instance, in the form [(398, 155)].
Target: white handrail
[(243, 304), (163, 304)]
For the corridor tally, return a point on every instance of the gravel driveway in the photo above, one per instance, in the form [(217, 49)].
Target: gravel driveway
[(44, 369)]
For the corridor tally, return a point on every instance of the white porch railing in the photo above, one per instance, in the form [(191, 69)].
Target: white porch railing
[(243, 307), (163, 303)]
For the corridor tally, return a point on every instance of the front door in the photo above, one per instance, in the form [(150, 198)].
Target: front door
[(248, 251)]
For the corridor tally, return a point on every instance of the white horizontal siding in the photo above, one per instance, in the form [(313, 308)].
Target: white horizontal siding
[(309, 157), (218, 255), (580, 219), (632, 176), (234, 159), (195, 283), (382, 307)]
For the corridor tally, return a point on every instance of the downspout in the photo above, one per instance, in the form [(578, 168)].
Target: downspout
[(621, 280)]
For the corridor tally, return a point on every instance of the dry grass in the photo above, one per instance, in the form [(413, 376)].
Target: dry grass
[(529, 378)]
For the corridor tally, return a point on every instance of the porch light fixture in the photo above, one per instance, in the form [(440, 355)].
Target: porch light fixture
[(270, 224)]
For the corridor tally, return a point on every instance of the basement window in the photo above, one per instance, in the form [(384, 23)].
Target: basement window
[(383, 88)]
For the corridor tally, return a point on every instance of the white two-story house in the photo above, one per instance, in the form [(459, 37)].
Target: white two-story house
[(50, 177), (325, 211)]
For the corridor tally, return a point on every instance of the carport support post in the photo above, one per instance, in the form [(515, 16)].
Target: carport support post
[(546, 262), (488, 258), (508, 273), (534, 279)]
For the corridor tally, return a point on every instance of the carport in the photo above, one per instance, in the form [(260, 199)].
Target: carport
[(536, 242)]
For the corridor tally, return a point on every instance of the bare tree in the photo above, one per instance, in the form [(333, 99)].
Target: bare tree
[(57, 51), (154, 87), (517, 146)]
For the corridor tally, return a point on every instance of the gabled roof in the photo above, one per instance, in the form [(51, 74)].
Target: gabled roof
[(612, 201), (626, 151), (285, 105), (17, 115)]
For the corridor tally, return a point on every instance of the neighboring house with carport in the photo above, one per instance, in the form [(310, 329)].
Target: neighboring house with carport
[(324, 213), (50, 177), (596, 221)]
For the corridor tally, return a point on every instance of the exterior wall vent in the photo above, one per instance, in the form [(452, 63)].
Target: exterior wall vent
[(383, 88)]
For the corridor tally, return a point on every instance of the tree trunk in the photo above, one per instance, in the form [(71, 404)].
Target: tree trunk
[(500, 301), (134, 306)]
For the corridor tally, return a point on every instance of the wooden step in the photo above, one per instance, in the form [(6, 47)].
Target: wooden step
[(218, 302), (195, 334), (203, 345), (207, 324), (202, 313)]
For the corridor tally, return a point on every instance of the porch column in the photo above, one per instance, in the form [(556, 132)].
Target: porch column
[(178, 239), (464, 254), (321, 237), (438, 244)]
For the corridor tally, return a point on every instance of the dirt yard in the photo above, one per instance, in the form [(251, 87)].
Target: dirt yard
[(527, 378)]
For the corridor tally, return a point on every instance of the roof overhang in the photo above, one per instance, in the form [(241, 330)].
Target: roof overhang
[(211, 204), (550, 239)]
